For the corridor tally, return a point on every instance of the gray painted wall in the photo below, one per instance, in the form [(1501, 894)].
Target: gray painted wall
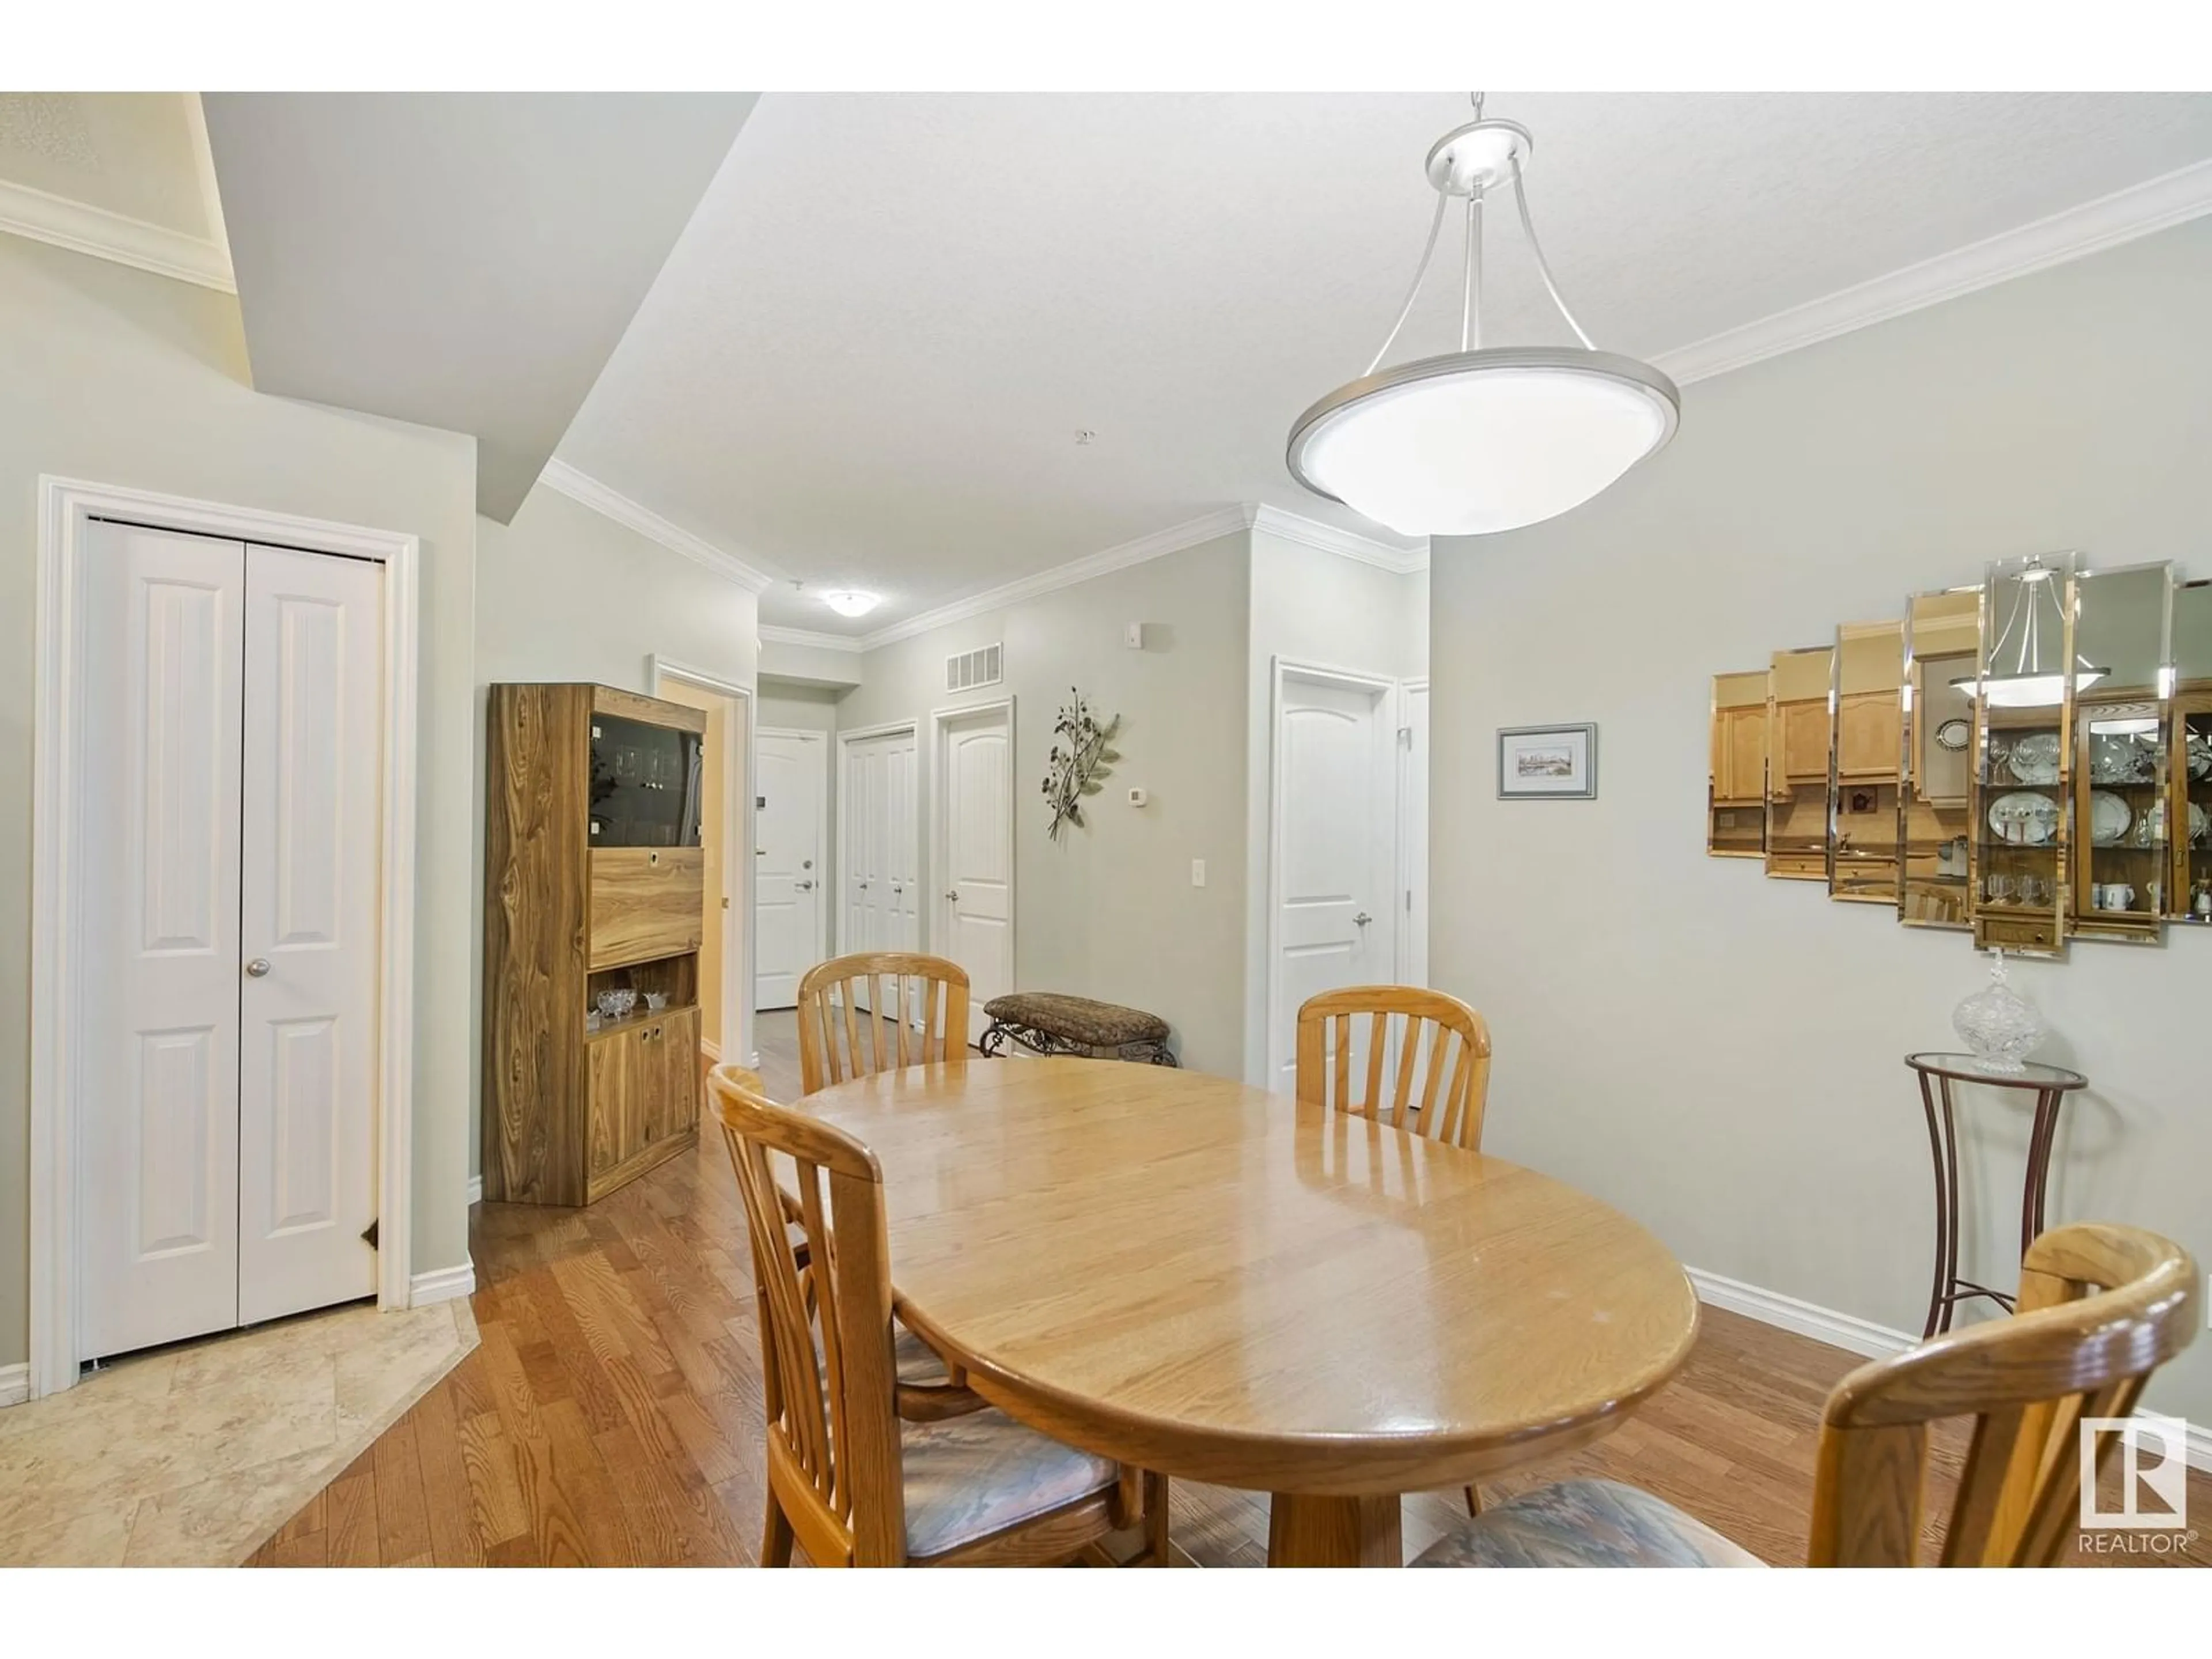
[(119, 377), (1719, 1053), (1108, 911)]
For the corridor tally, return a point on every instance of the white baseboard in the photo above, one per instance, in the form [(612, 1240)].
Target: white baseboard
[(475, 1189), (15, 1384), (1848, 1332), (443, 1284), (711, 1050), (1838, 1330)]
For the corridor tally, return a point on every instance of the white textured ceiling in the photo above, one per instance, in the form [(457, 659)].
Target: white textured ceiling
[(466, 260), (867, 359), (136, 154)]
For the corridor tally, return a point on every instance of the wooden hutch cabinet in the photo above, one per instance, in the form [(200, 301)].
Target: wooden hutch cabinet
[(594, 882)]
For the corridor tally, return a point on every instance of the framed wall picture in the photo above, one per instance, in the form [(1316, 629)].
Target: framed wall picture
[(1547, 762)]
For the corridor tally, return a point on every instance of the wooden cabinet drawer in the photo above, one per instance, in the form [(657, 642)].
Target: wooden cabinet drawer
[(647, 903)]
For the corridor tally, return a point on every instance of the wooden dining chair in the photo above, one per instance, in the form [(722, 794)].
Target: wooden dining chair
[(853, 1478), (1411, 1033), (2101, 1306), (838, 1039), (1414, 1037)]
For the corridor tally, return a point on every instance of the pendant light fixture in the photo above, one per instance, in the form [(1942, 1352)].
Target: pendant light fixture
[(2027, 664), (1483, 438)]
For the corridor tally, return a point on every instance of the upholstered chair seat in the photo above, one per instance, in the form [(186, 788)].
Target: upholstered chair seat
[(916, 1362), (970, 1478), (1585, 1523)]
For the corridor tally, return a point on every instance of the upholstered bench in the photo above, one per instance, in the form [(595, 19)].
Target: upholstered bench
[(1045, 1023)]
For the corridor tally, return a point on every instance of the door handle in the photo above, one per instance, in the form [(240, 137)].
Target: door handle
[(808, 886), (1362, 920), (952, 895), (258, 969), (898, 887)]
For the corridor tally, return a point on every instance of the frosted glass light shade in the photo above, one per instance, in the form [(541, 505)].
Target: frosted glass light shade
[(1481, 441), (2027, 690)]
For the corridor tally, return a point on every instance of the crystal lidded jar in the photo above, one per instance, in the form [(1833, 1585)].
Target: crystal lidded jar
[(1998, 1025)]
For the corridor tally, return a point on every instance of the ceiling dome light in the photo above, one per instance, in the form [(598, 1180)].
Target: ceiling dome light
[(846, 602), (1480, 441)]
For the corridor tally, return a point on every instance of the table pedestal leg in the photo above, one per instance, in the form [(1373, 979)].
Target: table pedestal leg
[(1304, 1531)]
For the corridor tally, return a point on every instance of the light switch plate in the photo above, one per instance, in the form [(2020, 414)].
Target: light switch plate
[(1197, 873), (1132, 636)]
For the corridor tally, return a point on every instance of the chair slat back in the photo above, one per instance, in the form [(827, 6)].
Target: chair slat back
[(2101, 1306), (840, 1038), (829, 1379), (1427, 1065)]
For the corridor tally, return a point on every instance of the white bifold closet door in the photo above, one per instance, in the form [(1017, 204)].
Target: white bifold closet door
[(226, 1012)]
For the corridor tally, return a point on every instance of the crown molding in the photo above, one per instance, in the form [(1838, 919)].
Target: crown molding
[(1161, 543), (2141, 209), (771, 635), (83, 228), (1328, 539), (583, 487)]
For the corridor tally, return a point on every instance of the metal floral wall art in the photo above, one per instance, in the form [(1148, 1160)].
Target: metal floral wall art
[(1081, 751)]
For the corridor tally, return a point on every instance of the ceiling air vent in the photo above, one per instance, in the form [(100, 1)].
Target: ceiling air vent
[(970, 669)]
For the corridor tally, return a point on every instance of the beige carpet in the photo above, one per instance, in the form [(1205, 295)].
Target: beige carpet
[(191, 1455)]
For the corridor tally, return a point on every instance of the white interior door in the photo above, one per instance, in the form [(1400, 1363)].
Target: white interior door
[(1413, 838), (860, 863), (901, 912), (307, 911), (975, 795), (156, 987), (1335, 812), (791, 773), (879, 867), (226, 996)]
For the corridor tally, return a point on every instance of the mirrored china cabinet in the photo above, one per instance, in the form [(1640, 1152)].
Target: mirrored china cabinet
[(2189, 755), (2028, 758), (1942, 640)]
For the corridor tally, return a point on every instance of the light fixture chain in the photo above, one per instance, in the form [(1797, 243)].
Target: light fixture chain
[(1428, 248), (1543, 266)]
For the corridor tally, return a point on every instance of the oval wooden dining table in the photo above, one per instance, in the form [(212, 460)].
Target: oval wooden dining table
[(1199, 1278)]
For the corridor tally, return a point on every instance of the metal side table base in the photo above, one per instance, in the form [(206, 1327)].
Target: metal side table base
[(1937, 1072)]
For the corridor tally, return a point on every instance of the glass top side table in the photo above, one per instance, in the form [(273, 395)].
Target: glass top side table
[(1937, 1072)]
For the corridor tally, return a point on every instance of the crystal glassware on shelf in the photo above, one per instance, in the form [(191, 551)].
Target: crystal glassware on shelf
[(1998, 1025), (616, 1004)]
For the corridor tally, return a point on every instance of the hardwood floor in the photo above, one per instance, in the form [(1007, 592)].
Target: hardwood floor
[(611, 1415)]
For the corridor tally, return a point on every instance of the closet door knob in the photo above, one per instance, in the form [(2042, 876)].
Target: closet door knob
[(258, 969)]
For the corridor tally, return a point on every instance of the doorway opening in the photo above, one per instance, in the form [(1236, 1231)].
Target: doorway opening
[(972, 849), (1345, 883), (204, 883), (725, 836), (790, 862)]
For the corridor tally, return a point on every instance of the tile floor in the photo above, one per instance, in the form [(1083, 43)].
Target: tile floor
[(191, 1455)]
